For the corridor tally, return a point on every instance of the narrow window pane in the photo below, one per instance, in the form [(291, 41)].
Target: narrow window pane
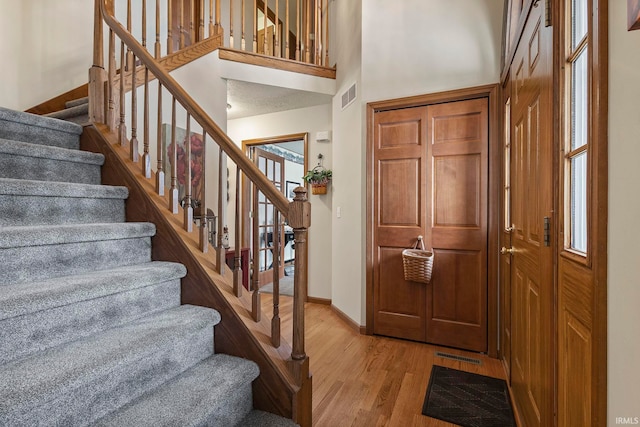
[(579, 21), (579, 89), (579, 202), (507, 165)]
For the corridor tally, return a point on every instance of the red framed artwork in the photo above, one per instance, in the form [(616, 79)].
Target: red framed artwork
[(633, 14)]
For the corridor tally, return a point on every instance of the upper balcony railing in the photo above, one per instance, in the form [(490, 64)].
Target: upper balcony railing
[(296, 30)]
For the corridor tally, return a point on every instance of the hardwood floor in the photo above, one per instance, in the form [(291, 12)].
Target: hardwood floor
[(361, 380)]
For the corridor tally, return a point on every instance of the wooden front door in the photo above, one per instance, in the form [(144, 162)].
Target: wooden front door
[(272, 166), (457, 209), (430, 178), (531, 207)]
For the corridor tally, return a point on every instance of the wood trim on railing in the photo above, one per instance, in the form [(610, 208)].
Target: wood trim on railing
[(277, 63), (189, 104)]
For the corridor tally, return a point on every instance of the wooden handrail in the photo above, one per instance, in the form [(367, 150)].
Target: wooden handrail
[(192, 107)]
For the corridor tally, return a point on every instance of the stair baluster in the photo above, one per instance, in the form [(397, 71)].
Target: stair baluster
[(111, 107), (276, 51), (218, 28), (129, 28), (169, 28), (298, 38), (181, 29), (160, 173), (188, 182), (237, 265), (133, 147), (275, 320), (243, 44), (201, 23), (326, 36), (286, 31), (192, 28), (255, 26), (203, 232), (211, 32), (231, 43), (122, 132), (158, 47), (222, 203), (146, 157), (173, 191), (255, 273)]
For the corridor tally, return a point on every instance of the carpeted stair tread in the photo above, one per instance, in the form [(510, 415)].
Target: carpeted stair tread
[(40, 315), (20, 299), (257, 418), (21, 126), (81, 381), (24, 187), (39, 252), (216, 392), (76, 110), (26, 149), (75, 102), (42, 235), (23, 160), (30, 202)]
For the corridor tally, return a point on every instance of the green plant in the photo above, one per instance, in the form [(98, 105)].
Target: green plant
[(318, 175)]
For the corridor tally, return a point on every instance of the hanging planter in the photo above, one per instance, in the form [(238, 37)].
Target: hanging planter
[(319, 178)]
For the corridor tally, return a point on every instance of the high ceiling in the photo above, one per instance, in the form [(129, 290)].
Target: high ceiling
[(251, 99)]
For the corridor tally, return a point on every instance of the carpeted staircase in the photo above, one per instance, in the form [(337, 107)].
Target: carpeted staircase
[(91, 329)]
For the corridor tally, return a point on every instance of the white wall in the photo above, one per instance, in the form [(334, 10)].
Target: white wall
[(624, 211), (311, 119), (53, 45), (10, 29), (452, 44), (347, 278)]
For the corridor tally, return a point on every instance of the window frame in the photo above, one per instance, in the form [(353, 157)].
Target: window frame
[(570, 54)]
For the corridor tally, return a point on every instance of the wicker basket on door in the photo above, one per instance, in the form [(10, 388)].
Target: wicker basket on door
[(418, 263)]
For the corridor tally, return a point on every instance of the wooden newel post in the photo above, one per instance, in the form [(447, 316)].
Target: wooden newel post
[(97, 73), (299, 220)]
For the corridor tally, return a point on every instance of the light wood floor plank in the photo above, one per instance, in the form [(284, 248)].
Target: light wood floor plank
[(361, 380)]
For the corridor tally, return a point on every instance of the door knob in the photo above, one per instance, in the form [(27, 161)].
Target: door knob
[(505, 251)]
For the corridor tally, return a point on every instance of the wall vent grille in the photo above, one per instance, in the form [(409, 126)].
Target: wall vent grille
[(348, 96), (459, 358)]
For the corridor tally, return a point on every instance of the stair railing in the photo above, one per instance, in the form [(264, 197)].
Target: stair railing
[(112, 89)]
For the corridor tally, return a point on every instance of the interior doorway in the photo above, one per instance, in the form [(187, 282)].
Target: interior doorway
[(283, 160)]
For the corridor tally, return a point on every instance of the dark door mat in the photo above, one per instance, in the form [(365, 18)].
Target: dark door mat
[(466, 399)]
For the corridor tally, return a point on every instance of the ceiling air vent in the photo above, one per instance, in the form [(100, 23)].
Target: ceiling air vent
[(348, 96)]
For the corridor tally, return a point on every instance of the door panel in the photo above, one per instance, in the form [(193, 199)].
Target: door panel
[(399, 217), (457, 294), (531, 264), (430, 169)]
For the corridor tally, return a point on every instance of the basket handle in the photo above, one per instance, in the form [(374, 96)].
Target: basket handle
[(419, 240)]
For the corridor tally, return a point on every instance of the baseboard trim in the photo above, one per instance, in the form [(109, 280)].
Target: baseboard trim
[(323, 301), (349, 321)]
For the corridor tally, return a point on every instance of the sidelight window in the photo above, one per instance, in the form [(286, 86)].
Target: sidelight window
[(507, 164), (576, 158)]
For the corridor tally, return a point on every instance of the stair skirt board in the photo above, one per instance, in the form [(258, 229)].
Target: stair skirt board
[(91, 329)]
